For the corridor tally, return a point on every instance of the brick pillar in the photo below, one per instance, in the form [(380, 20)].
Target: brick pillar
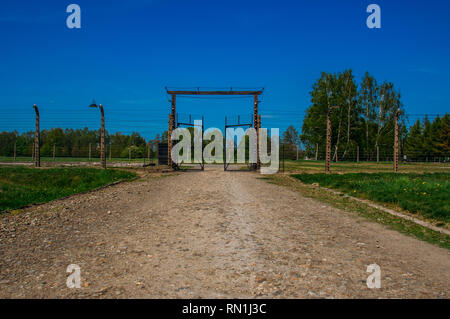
[(256, 126), (328, 147), (258, 137), (169, 141), (37, 153), (396, 143)]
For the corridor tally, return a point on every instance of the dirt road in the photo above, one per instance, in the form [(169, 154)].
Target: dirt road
[(209, 234)]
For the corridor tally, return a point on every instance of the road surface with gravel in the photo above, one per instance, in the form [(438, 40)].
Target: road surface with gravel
[(210, 234)]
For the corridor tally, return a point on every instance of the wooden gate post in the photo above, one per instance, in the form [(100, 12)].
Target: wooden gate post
[(258, 164), (37, 153), (172, 118), (256, 125), (169, 141), (102, 138), (174, 108), (328, 147), (396, 144)]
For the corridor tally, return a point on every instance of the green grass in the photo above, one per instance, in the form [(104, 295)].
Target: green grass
[(426, 194), (21, 186), (304, 166)]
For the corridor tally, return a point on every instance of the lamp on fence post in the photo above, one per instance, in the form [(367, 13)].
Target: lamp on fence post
[(102, 134)]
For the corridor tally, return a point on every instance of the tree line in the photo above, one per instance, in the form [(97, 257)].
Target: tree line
[(426, 139), (362, 122), (76, 143), (362, 115)]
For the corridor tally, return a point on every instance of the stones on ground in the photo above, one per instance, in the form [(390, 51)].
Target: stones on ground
[(256, 244)]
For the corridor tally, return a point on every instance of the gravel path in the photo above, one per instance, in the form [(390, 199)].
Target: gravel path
[(220, 235)]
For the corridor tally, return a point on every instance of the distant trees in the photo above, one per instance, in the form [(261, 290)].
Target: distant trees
[(364, 117), (364, 120), (291, 141), (75, 143), (368, 97), (428, 139)]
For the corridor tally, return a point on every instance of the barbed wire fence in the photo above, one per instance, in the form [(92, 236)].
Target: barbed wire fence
[(17, 138), (72, 136)]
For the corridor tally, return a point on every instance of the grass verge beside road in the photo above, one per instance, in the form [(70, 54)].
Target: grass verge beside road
[(21, 186), (309, 166), (423, 194), (345, 203)]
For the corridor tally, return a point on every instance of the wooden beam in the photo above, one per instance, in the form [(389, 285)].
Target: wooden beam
[(169, 141), (37, 137), (193, 92)]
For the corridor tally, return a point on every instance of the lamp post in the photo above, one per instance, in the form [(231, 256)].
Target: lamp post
[(102, 134)]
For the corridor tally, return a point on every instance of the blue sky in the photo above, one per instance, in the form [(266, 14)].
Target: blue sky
[(127, 51)]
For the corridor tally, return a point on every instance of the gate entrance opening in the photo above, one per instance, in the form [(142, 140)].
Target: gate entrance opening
[(173, 117), (238, 124), (195, 126)]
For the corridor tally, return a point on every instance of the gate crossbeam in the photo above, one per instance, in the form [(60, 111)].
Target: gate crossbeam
[(229, 92)]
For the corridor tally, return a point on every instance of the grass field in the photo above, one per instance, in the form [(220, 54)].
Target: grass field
[(21, 186), (304, 166), (426, 194)]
